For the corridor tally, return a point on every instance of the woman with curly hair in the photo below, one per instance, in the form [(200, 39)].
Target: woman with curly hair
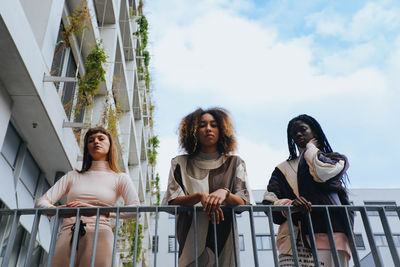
[(207, 175), (315, 176)]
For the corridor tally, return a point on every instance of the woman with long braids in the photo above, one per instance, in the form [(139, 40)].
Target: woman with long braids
[(208, 175), (98, 183), (314, 176)]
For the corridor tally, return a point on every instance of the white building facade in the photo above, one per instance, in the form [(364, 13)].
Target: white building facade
[(42, 121)]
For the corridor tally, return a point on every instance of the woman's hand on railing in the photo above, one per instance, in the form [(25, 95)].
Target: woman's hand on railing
[(212, 205), (79, 204), (303, 204)]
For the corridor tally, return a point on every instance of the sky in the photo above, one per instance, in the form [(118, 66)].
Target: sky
[(269, 61)]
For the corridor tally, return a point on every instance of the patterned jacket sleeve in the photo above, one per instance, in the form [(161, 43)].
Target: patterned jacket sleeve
[(175, 186), (325, 166), (277, 194)]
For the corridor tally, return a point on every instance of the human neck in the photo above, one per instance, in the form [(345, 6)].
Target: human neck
[(208, 150), (100, 166)]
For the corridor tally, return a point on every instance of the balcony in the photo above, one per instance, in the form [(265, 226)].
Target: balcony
[(377, 223)]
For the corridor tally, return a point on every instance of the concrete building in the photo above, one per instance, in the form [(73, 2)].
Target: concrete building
[(359, 197), (42, 119)]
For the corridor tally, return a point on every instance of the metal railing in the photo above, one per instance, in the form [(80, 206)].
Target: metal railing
[(59, 213)]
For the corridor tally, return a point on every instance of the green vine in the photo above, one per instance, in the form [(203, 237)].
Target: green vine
[(128, 229), (155, 185), (77, 23), (143, 31), (89, 84), (146, 56), (140, 7), (153, 144), (111, 113)]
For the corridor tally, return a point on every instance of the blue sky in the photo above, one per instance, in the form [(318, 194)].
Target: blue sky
[(268, 61)]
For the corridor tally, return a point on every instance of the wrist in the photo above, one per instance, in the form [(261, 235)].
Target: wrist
[(228, 192)]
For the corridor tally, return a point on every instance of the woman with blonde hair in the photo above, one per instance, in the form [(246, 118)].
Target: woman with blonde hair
[(98, 183), (208, 175)]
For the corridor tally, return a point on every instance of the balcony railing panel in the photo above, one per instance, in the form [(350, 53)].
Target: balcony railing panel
[(9, 236)]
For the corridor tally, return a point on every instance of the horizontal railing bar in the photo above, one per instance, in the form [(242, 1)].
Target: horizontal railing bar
[(171, 209)]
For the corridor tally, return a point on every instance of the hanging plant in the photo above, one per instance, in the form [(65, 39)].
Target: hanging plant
[(111, 113), (78, 21), (140, 7), (146, 56), (153, 144), (143, 31), (155, 184), (89, 84)]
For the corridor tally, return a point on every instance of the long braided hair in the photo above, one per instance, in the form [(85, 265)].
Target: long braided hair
[(323, 143)]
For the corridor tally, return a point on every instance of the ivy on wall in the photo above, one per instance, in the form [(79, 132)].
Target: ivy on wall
[(128, 229), (88, 85), (78, 21)]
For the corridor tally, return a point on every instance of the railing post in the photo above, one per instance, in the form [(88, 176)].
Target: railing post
[(272, 233), (75, 239), (11, 239), (32, 240), (370, 237), (136, 236), (96, 233), (176, 237), (215, 241), (53, 238), (330, 237), (195, 237), (312, 239), (115, 237), (389, 237), (235, 249), (156, 239), (253, 236), (350, 237), (292, 237)]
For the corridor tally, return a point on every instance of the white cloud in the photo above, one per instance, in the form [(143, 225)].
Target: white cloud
[(260, 160), (236, 59), (366, 24)]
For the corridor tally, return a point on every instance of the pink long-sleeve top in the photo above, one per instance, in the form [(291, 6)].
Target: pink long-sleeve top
[(99, 186)]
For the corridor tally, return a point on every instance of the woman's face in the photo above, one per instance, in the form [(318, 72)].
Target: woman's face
[(208, 133), (98, 146), (301, 133)]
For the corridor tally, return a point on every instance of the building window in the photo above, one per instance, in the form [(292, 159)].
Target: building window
[(381, 203), (241, 242), (380, 240), (154, 247), (11, 145), (64, 65), (68, 92), (171, 244), (358, 239), (263, 242)]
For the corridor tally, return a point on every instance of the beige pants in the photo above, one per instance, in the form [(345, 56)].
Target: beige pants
[(84, 252)]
